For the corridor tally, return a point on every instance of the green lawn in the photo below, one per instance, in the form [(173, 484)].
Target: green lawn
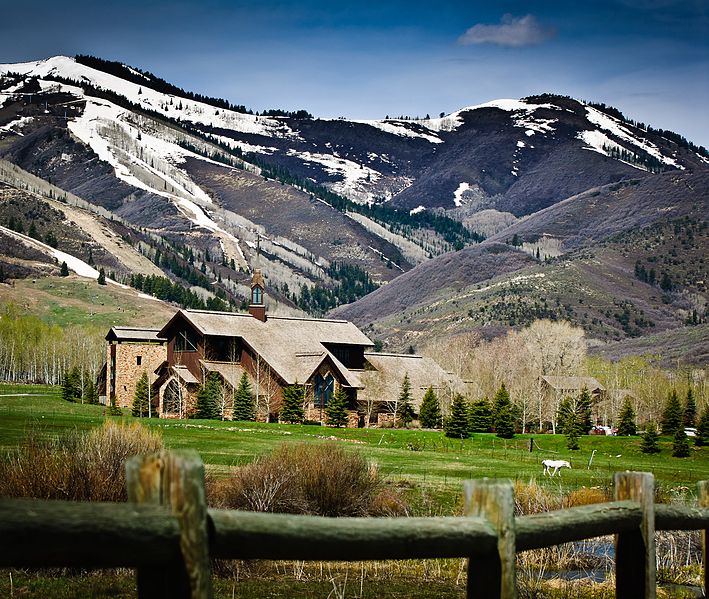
[(422, 458)]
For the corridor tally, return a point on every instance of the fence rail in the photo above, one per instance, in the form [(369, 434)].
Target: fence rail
[(169, 536)]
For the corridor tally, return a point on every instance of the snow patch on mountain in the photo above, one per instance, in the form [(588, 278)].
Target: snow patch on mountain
[(16, 125), (458, 194), (400, 128), (353, 174), (615, 127), (417, 210)]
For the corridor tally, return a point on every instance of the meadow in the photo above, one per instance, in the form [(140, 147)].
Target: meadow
[(423, 466)]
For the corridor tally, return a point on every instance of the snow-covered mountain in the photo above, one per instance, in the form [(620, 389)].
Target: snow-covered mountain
[(202, 178)]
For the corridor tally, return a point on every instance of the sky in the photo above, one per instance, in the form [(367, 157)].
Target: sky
[(648, 58)]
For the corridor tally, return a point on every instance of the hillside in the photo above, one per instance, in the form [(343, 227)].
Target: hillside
[(181, 196)]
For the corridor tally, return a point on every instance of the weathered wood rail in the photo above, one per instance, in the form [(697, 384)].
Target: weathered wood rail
[(169, 536)]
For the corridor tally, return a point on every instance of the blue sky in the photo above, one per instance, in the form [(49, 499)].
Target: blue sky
[(649, 58)]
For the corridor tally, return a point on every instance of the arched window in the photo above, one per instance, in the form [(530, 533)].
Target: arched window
[(323, 388), (172, 400), (256, 295)]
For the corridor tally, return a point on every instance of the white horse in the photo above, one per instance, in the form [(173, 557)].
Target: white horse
[(556, 465)]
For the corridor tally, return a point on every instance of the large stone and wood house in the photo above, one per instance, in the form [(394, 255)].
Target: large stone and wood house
[(323, 355)]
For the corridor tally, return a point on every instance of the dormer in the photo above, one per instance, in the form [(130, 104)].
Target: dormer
[(257, 307)]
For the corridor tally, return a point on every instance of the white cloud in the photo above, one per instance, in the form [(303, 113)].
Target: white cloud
[(512, 31)]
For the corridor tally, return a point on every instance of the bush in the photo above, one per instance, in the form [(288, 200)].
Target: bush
[(322, 480), (80, 466)]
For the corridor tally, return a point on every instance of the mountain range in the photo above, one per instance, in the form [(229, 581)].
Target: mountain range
[(416, 227)]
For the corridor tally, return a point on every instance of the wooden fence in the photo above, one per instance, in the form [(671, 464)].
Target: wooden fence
[(169, 536)]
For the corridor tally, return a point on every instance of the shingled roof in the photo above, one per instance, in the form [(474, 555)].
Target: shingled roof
[(571, 383), (384, 383), (293, 347)]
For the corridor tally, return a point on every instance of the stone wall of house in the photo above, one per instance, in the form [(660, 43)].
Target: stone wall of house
[(128, 370)]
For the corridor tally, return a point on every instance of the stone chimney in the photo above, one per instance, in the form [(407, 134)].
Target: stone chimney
[(257, 307)]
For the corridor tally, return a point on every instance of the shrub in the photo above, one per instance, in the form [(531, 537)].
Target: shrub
[(80, 466), (323, 480)]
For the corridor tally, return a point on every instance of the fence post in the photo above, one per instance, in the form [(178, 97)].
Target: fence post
[(493, 577), (175, 480), (635, 560), (703, 496)]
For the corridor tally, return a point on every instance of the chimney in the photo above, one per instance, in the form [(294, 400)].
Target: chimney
[(257, 307)]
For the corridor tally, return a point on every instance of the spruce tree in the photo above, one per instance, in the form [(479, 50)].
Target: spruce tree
[(101, 277), (430, 412), (503, 414), (650, 439), (90, 391), (565, 416), (690, 410), (572, 438), (626, 419), (140, 397), (244, 400), (680, 444), (292, 406), (64, 272), (336, 409), (406, 410), (480, 416), (583, 412), (672, 415), (206, 407), (702, 438), (71, 385), (456, 425)]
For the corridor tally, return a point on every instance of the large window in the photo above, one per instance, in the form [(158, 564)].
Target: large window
[(172, 400), (256, 296), (186, 341), (323, 388)]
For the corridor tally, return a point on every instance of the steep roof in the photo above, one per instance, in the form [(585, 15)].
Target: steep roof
[(230, 371), (384, 383), (134, 334), (293, 347), (571, 383)]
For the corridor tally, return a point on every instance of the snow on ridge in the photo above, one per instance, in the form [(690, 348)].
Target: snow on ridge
[(166, 104), (397, 127), (458, 194), (615, 126), (595, 140)]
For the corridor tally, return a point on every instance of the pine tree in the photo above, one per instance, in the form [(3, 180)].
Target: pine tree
[(503, 414), (690, 409), (101, 277), (680, 444), (244, 400), (292, 406), (140, 397), (336, 409), (406, 410), (650, 439), (430, 412), (71, 385), (480, 416), (456, 425), (565, 416), (672, 415), (626, 419), (702, 438), (90, 391), (572, 438), (206, 407), (64, 272), (583, 419)]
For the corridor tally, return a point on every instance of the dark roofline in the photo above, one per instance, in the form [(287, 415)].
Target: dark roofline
[(390, 355), (148, 334)]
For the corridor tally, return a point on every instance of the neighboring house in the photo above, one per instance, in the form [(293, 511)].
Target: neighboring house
[(130, 352), (323, 355), (555, 388)]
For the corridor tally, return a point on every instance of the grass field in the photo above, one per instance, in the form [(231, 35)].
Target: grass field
[(416, 458), (425, 467)]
